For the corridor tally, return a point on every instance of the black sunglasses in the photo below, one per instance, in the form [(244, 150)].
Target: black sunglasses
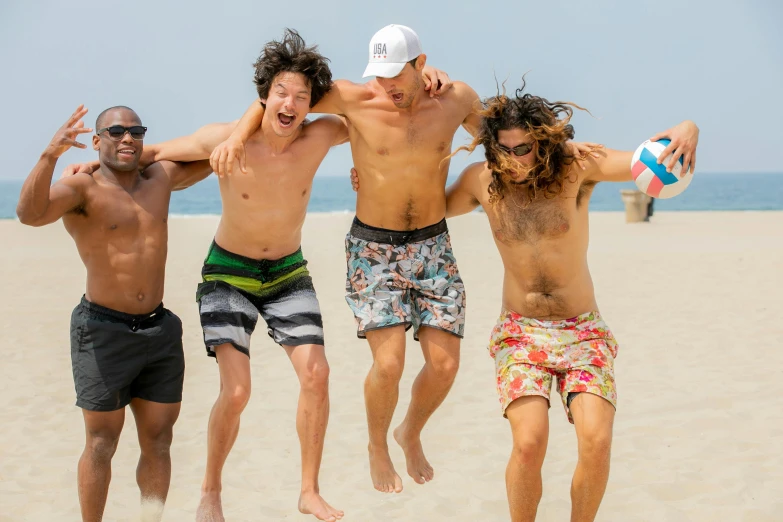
[(519, 150), (117, 132)]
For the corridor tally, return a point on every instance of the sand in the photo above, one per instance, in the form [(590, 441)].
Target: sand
[(691, 298)]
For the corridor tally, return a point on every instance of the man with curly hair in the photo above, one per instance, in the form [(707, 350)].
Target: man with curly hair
[(402, 272), (255, 265), (399, 133), (536, 200)]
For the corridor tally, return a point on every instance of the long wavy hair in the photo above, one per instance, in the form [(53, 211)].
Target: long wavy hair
[(547, 123)]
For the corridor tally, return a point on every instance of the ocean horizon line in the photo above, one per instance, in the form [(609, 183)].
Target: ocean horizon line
[(333, 195)]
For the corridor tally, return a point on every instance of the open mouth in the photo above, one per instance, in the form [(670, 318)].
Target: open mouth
[(285, 119), (126, 153), (396, 97)]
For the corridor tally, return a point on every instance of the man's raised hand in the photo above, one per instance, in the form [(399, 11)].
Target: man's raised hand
[(65, 137)]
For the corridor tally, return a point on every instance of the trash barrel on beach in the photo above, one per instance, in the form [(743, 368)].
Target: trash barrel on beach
[(636, 204)]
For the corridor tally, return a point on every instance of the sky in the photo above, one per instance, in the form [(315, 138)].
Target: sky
[(639, 66)]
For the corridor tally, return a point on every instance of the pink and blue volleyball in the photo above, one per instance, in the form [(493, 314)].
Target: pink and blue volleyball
[(652, 178)]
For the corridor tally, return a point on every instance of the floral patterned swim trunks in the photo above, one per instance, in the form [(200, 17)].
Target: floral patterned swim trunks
[(530, 353), (403, 278)]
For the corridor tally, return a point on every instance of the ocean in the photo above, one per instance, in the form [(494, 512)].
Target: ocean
[(754, 191)]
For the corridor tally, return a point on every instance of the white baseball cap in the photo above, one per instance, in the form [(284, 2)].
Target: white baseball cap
[(390, 49)]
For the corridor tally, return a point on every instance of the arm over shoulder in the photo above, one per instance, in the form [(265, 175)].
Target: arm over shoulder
[(340, 97), (332, 128), (470, 103), (196, 146), (462, 196), (181, 175)]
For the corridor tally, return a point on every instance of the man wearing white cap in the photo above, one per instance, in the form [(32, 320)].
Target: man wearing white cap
[(390, 49), (401, 269)]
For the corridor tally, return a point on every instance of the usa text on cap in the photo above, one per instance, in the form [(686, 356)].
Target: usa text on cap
[(390, 49)]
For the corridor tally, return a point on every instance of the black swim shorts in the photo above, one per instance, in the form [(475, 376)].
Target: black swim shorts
[(117, 356)]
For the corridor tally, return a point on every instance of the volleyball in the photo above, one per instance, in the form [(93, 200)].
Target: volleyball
[(652, 178)]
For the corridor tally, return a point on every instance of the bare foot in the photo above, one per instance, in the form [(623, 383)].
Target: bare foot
[(418, 467), (210, 509), (384, 478), (311, 503), (151, 510)]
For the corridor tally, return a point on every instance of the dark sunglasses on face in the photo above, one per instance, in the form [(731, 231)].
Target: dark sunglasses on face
[(117, 132), (519, 150)]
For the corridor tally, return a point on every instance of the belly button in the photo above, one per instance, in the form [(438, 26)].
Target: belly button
[(140, 297), (245, 196)]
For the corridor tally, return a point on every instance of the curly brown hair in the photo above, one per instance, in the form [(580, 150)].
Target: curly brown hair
[(293, 55), (547, 123)]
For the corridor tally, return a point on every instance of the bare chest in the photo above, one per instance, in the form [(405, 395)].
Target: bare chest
[(512, 222), (111, 213), (271, 182), (517, 219), (384, 134)]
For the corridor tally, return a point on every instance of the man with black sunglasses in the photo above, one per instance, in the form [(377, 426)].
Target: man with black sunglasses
[(126, 348), (117, 132)]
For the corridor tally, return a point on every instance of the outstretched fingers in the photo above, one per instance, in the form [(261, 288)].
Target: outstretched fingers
[(76, 116)]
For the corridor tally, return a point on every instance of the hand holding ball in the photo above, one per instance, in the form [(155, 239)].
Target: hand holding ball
[(651, 177)]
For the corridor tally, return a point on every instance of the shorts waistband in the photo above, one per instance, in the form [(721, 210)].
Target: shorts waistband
[(221, 259), (132, 320), (552, 324), (365, 232)]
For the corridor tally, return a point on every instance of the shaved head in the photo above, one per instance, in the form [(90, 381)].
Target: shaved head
[(102, 116)]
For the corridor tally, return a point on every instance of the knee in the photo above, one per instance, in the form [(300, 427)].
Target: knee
[(388, 369), (529, 451), (158, 442), (445, 368), (315, 379), (235, 398), (101, 446), (595, 446)]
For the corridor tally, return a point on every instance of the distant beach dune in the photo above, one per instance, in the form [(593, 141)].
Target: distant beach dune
[(693, 299)]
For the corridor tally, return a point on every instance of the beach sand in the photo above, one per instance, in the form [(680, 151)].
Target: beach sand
[(690, 297)]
